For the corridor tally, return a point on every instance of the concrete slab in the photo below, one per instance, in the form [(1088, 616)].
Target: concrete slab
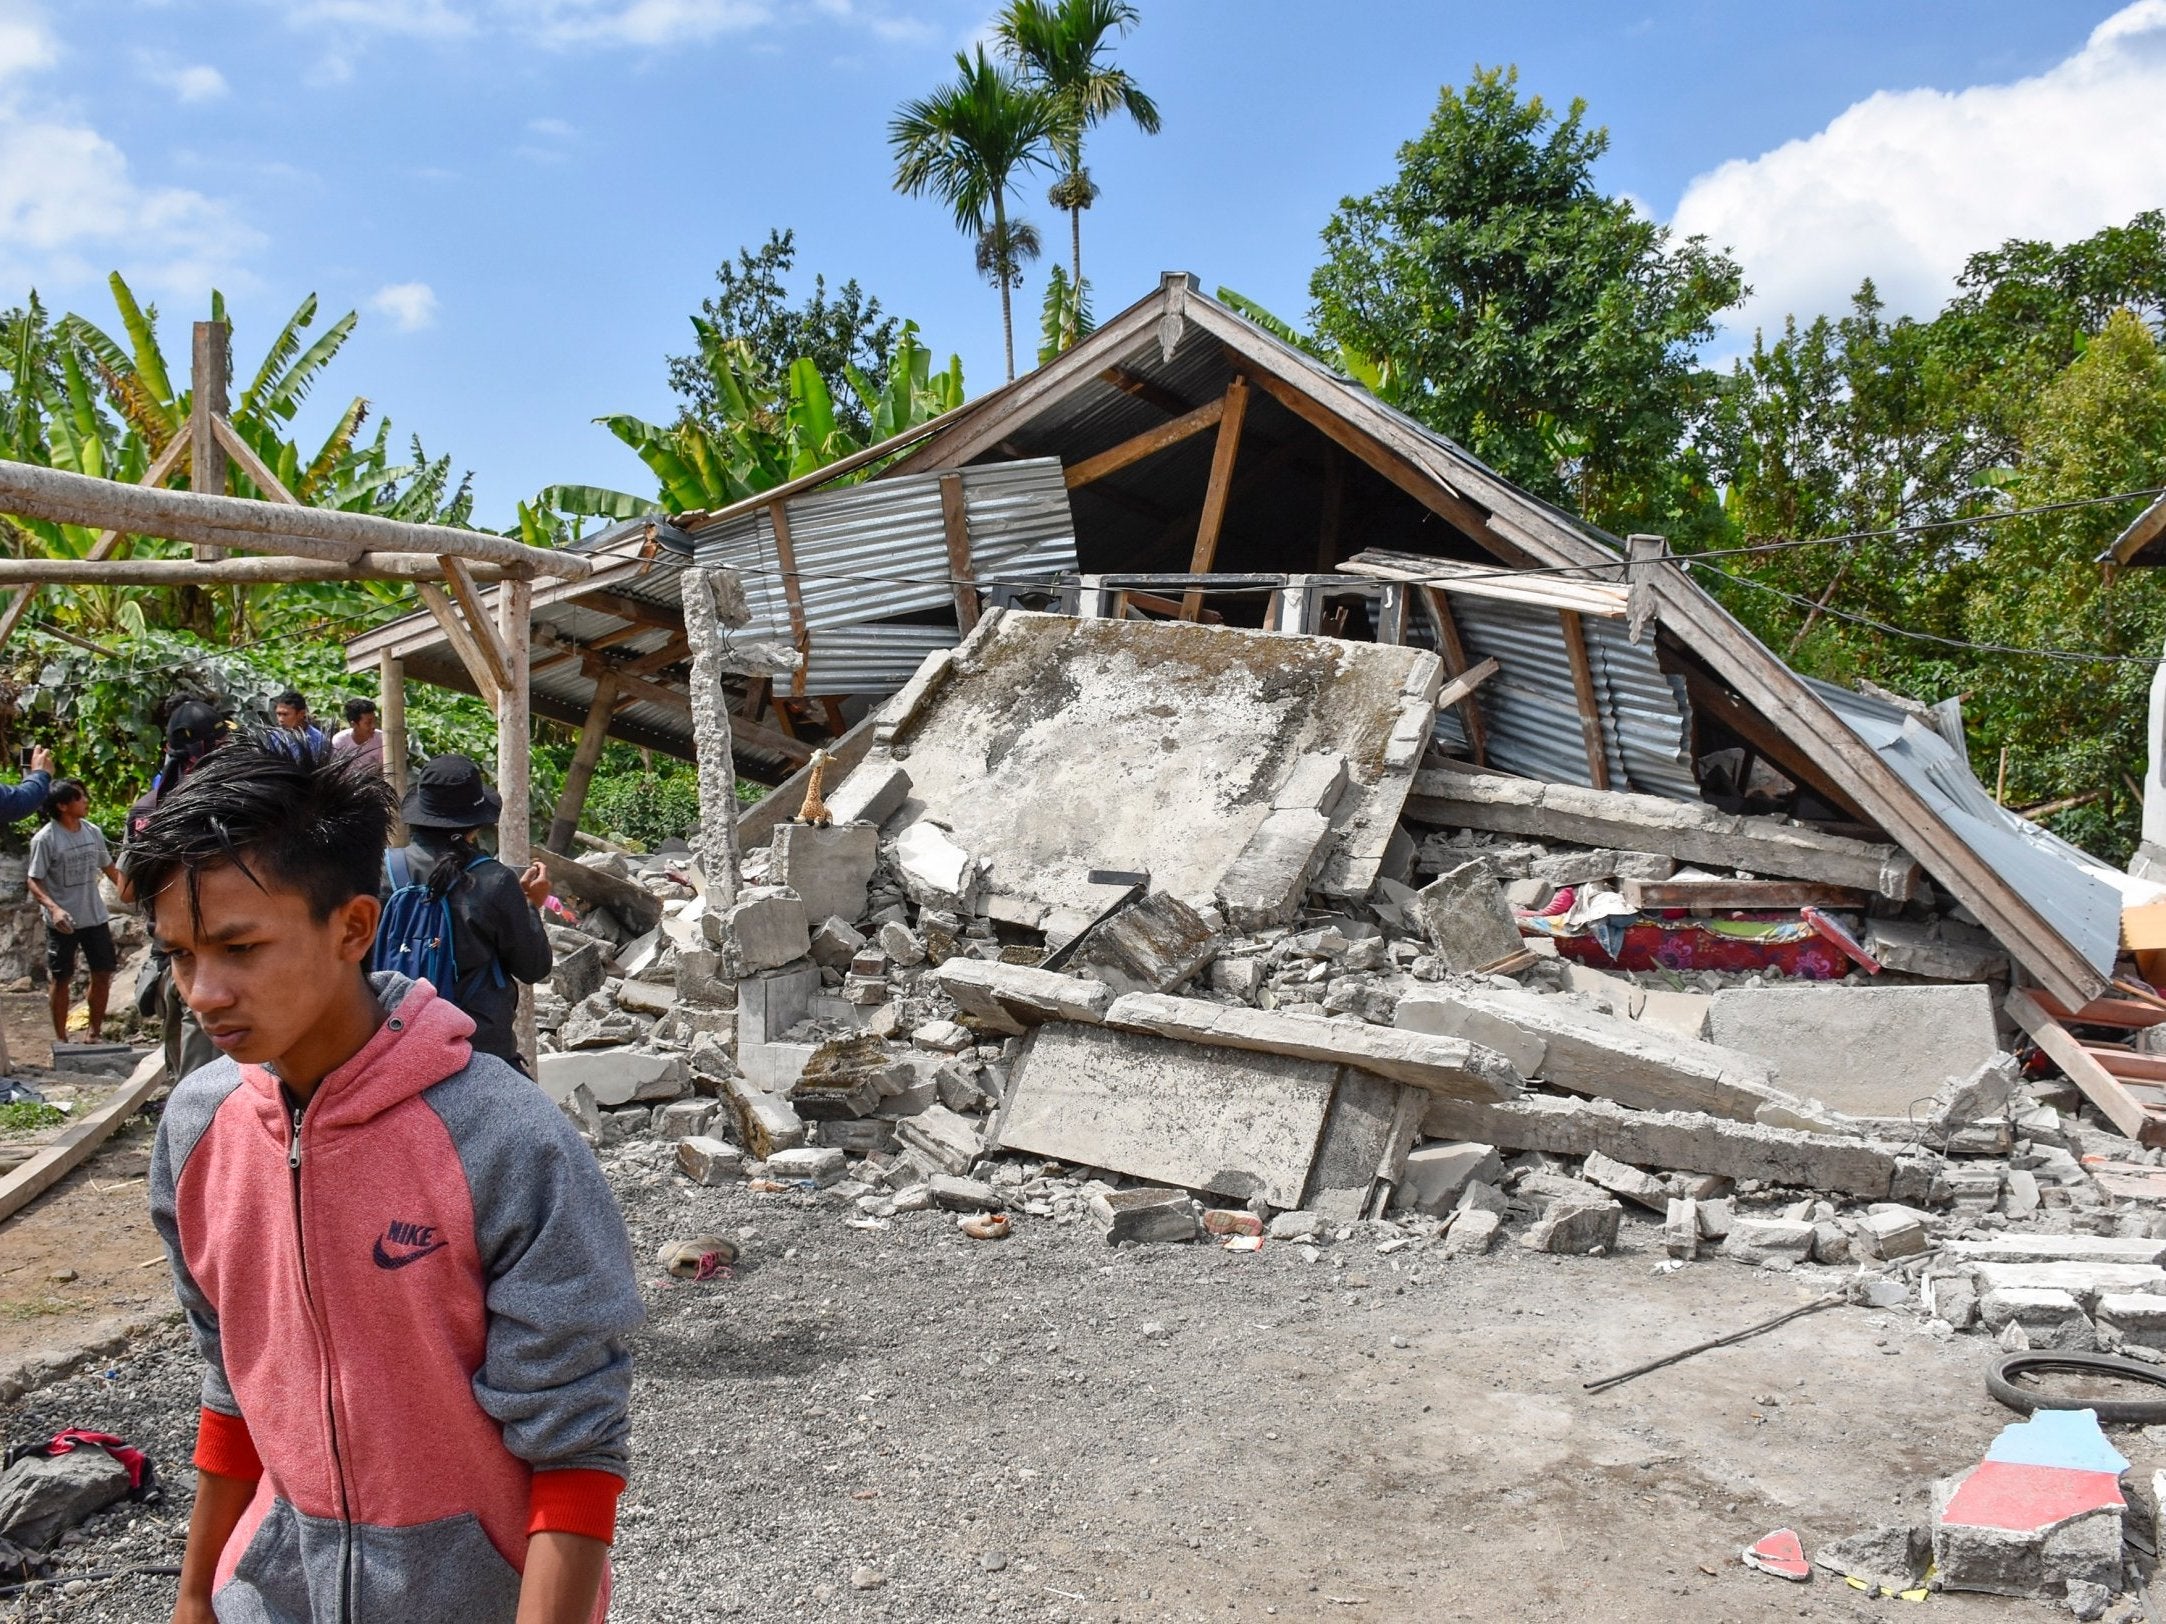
[(1056, 745), (1366, 1138), (1440, 1065), (1203, 1118), (1152, 946), (1464, 916), (1013, 997), (828, 868), (1865, 1051)]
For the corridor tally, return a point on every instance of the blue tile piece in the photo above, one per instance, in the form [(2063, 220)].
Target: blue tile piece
[(2069, 1438)]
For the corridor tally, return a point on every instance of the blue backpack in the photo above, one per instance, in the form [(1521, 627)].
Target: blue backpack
[(413, 938)]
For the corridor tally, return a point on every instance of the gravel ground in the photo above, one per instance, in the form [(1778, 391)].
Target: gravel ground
[(906, 1424)]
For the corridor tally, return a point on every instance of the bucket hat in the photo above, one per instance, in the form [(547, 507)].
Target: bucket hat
[(449, 793)]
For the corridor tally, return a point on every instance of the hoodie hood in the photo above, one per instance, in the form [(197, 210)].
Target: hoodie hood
[(422, 1041)]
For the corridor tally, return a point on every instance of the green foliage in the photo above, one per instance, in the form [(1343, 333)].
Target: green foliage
[(27, 1116), (967, 144), (643, 807), (1547, 327), (837, 335), (1066, 316)]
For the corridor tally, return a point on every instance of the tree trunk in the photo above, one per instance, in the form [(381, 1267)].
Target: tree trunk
[(1000, 273), (1075, 240)]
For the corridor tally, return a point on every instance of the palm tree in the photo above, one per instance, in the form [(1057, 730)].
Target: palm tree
[(966, 143), (1061, 45)]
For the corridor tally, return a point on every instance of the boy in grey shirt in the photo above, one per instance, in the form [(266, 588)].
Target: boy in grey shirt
[(66, 858)]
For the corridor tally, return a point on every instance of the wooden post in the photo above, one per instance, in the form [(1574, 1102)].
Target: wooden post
[(206, 457), (1219, 490), (1455, 663), (514, 767), (955, 520), (391, 717), (712, 744), (778, 516), (592, 736), (460, 637), (1590, 709)]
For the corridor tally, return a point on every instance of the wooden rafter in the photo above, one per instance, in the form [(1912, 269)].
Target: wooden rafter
[(1455, 663), (461, 640), (1217, 494), (1142, 388), (1149, 443), (478, 624), (1590, 707)]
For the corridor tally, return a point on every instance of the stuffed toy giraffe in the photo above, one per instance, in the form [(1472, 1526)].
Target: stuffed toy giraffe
[(814, 811)]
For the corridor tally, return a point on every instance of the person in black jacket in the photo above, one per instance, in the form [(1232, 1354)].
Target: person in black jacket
[(497, 937)]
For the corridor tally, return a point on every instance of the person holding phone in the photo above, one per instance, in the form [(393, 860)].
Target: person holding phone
[(21, 800)]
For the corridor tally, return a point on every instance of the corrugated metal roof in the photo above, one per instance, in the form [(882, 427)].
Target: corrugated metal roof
[(2063, 883), (874, 551)]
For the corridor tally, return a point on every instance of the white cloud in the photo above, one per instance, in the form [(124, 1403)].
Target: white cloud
[(1905, 185), (71, 206), (189, 83), (554, 129), (410, 305)]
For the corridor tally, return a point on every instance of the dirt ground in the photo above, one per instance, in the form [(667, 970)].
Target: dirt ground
[(1049, 1429)]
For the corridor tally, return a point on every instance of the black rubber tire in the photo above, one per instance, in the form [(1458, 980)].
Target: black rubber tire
[(2127, 1411)]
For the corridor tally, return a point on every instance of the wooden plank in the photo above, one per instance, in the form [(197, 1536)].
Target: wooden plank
[(76, 1146), (2128, 1065), (955, 524), (207, 404), (258, 472), (1590, 708), (1711, 698), (1149, 443), (1645, 894), (478, 624), (636, 610), (586, 756), (674, 652), (1460, 687), (2127, 1012), (2098, 1085), (462, 643), (1592, 598), (1455, 664), (1219, 492), (1169, 607), (1144, 389), (778, 515), (746, 730)]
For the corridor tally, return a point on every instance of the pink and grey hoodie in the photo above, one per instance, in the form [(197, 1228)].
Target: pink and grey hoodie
[(413, 1298)]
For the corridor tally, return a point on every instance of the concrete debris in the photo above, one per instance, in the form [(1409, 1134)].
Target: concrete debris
[(873, 793), (1868, 1051), (1154, 945), (708, 1161), (1463, 915), (1145, 1215), (936, 872), (1769, 1242), (42, 1496), (1943, 950), (1013, 997), (1576, 1227), (764, 930), (1436, 1176), (829, 868), (1473, 1232), (2039, 1515)]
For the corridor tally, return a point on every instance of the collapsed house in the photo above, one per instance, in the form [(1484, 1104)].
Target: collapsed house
[(1211, 802)]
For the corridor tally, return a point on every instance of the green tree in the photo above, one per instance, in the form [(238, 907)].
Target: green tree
[(753, 308), (1548, 327), (967, 144), (1066, 315), (1062, 47)]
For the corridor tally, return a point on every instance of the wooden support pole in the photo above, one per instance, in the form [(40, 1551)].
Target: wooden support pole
[(1455, 664), (514, 763), (38, 572), (391, 717), (493, 647), (1149, 443), (461, 641), (592, 736), (206, 457), (1220, 489), (955, 521), (1590, 708), (778, 516), (712, 741), (258, 471)]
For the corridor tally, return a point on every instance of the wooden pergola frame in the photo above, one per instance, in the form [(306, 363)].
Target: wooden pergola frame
[(299, 544)]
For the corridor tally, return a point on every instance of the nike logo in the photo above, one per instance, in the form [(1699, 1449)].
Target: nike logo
[(420, 1237)]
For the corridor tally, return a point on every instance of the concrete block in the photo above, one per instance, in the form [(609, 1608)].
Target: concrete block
[(765, 929), (626, 1122), (2050, 1318), (821, 1164), (873, 792), (937, 873), (2019, 1192), (1245, 1124), (1680, 1014), (1267, 882), (828, 868), (963, 1195), (1952, 1297), (1894, 1232), (1436, 1175), (1153, 945), (578, 975), (844, 1077), (765, 1123), (943, 1037), (646, 997), (2086, 1282), (701, 979), (1769, 1242), (1831, 1242), (1531, 895), (1463, 915), (1716, 1214), (1238, 978), (1681, 1229), (855, 1136), (1145, 1216), (2134, 1317), (597, 1023), (708, 1161), (1472, 1232), (1013, 997), (614, 1077), (1442, 1066), (1866, 1051), (637, 957), (1575, 1228), (684, 1119), (1693, 1142), (1596, 1054), (1640, 1188), (1946, 951), (949, 1141), (1986, 1092), (770, 1005), (1365, 1143), (836, 943), (2020, 1248)]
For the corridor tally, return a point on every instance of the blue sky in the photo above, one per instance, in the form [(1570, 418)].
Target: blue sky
[(525, 198)]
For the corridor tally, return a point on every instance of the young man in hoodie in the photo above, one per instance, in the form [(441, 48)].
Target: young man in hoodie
[(407, 1277)]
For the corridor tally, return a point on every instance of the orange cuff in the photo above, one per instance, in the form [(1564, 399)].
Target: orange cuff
[(575, 1501), (224, 1447)]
